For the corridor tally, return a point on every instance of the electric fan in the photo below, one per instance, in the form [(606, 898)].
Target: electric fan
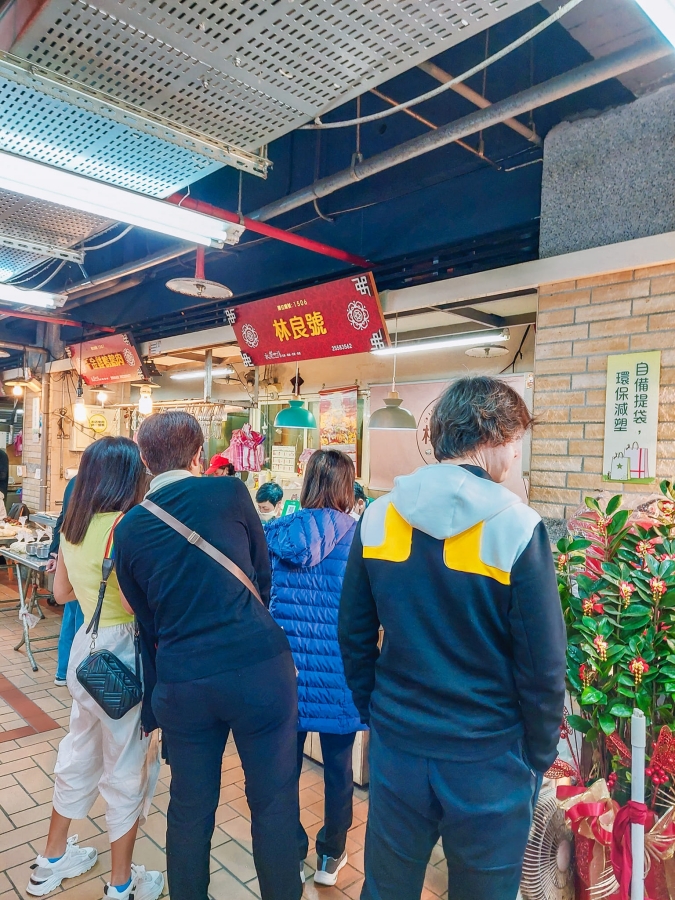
[(548, 869), (199, 286)]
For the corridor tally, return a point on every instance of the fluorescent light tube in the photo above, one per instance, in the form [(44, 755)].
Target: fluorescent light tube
[(34, 179), (479, 337), (662, 14), (12, 294), (196, 374)]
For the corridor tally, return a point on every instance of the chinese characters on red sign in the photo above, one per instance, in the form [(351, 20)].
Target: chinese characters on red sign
[(333, 319), (107, 360)]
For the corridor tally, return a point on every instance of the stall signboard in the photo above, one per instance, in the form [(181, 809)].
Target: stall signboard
[(338, 421), (631, 417), (110, 359), (333, 319)]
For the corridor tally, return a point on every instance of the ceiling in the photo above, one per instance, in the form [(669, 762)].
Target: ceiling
[(238, 79)]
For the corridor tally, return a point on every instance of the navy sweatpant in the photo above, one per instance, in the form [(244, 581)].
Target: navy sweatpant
[(259, 705), (481, 810)]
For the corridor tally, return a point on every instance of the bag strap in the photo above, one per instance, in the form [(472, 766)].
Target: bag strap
[(107, 567), (198, 541)]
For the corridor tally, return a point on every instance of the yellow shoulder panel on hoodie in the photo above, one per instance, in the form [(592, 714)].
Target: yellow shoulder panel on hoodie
[(462, 553), (397, 542)]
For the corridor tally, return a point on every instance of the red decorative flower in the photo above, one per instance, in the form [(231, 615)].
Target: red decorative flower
[(637, 668), (562, 561), (658, 588), (592, 605), (601, 646), (645, 548), (626, 590), (587, 674)]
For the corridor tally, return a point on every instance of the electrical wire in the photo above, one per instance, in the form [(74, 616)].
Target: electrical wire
[(114, 240), (36, 287), (512, 364), (458, 79)]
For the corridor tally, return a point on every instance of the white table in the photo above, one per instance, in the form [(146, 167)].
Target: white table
[(28, 571)]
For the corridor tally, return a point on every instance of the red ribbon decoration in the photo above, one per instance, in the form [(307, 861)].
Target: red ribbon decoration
[(633, 813)]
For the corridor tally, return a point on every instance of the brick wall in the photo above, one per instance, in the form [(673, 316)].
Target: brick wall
[(579, 324)]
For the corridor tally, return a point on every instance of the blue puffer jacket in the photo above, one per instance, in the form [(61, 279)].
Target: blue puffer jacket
[(308, 552)]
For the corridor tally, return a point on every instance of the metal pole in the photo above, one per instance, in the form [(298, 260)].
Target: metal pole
[(208, 375), (638, 739), (587, 75), (44, 438)]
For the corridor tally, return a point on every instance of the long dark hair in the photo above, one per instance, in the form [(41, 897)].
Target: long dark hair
[(329, 481), (111, 478)]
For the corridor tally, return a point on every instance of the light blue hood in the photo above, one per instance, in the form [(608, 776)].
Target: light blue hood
[(444, 500)]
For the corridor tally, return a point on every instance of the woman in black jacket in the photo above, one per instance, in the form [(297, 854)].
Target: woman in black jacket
[(222, 663)]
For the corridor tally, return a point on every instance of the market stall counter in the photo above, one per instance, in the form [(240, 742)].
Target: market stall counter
[(28, 571)]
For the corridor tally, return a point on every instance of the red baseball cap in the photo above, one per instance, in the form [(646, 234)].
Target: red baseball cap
[(217, 462)]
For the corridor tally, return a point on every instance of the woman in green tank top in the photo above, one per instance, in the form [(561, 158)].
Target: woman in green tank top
[(100, 755)]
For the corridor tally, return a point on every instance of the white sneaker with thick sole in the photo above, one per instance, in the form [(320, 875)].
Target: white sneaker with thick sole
[(144, 886), (47, 876), (327, 869)]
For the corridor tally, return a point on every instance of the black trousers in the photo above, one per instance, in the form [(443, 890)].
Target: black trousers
[(259, 705), (481, 811), (338, 778)]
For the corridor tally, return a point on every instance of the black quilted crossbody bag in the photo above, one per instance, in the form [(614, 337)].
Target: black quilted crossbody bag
[(104, 677)]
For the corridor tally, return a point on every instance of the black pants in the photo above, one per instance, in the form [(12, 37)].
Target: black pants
[(338, 778), (481, 811), (259, 705)]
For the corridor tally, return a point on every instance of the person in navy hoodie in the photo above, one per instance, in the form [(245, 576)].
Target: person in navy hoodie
[(308, 552)]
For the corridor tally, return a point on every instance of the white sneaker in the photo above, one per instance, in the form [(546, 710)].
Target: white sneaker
[(302, 872), (327, 869), (144, 886), (47, 875)]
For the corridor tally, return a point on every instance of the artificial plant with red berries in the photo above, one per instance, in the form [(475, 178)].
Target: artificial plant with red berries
[(616, 577)]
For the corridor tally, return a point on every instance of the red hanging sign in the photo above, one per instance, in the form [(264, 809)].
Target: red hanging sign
[(109, 359), (333, 319)]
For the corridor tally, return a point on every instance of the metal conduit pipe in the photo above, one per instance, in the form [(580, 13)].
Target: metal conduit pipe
[(11, 345), (130, 268), (584, 76)]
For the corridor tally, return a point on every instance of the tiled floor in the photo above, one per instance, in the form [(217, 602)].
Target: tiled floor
[(26, 767)]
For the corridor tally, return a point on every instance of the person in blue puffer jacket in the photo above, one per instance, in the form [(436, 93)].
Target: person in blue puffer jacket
[(308, 552)]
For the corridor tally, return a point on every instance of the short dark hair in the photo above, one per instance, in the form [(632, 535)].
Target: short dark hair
[(111, 478), (270, 492), (477, 412), (169, 440), (329, 481), (359, 493)]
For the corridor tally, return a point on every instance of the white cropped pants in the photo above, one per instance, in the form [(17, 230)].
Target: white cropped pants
[(101, 755)]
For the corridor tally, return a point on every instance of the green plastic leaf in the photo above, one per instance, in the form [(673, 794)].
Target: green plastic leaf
[(579, 724), (613, 504), (592, 503), (618, 521), (621, 710), (578, 544), (607, 723), (591, 695)]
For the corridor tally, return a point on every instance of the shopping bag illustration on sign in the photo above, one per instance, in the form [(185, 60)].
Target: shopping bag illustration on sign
[(620, 470), (638, 458)]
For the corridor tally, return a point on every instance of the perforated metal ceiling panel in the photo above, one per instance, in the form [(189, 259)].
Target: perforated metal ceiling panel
[(246, 71), (45, 223)]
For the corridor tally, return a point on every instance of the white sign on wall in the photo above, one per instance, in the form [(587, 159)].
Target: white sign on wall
[(632, 417)]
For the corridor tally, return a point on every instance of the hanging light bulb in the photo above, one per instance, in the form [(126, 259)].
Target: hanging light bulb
[(17, 390), (145, 401), (103, 394), (295, 415), (79, 409), (393, 416)]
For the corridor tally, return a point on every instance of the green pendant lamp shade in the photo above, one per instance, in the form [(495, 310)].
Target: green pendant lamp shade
[(392, 417), (295, 416)]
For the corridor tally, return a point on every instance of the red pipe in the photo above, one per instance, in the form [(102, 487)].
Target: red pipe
[(34, 317), (269, 230), (199, 270)]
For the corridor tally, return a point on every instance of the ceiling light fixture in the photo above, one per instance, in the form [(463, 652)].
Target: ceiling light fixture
[(145, 401), (480, 337), (392, 416), (44, 299), (295, 415), (195, 374), (54, 185), (662, 14), (103, 394), (199, 286)]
